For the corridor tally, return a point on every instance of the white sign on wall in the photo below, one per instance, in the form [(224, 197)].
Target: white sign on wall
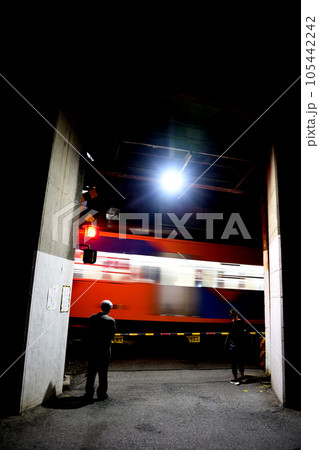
[(52, 297)]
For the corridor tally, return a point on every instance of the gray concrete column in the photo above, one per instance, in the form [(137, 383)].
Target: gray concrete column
[(48, 320), (274, 308), (266, 285)]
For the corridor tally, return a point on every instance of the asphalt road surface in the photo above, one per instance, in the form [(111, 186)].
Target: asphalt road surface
[(160, 404)]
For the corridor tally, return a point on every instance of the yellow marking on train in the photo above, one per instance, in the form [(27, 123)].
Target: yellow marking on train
[(149, 334), (180, 334), (132, 334), (224, 333), (195, 334)]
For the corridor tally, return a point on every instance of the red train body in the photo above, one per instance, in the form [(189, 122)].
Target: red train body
[(167, 284)]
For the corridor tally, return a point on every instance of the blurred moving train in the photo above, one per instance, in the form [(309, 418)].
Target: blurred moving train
[(160, 285)]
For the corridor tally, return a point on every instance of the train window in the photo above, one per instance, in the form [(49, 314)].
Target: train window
[(178, 301), (169, 271), (150, 273)]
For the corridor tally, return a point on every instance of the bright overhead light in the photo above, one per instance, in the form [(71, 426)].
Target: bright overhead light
[(171, 181)]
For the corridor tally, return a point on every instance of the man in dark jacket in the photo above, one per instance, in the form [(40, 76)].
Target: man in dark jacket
[(101, 330), (235, 344)]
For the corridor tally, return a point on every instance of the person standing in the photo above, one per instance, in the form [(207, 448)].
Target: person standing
[(101, 330), (235, 345)]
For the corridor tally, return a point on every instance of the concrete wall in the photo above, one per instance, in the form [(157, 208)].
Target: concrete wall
[(290, 239), (274, 308), (48, 326), (26, 143)]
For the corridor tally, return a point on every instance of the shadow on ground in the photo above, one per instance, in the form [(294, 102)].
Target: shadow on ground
[(64, 402)]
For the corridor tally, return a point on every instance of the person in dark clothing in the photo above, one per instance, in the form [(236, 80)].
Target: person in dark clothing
[(235, 345), (101, 330)]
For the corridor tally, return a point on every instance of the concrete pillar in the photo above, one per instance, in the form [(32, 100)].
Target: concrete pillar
[(266, 285), (48, 322), (275, 333)]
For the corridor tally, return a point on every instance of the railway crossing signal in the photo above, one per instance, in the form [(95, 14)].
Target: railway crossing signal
[(89, 255)]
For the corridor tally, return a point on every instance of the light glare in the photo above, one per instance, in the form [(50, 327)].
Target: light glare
[(171, 181)]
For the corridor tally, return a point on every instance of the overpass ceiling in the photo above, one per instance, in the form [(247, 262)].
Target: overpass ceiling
[(215, 140), (179, 131)]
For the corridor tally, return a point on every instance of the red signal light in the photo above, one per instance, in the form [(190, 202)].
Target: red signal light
[(91, 231)]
